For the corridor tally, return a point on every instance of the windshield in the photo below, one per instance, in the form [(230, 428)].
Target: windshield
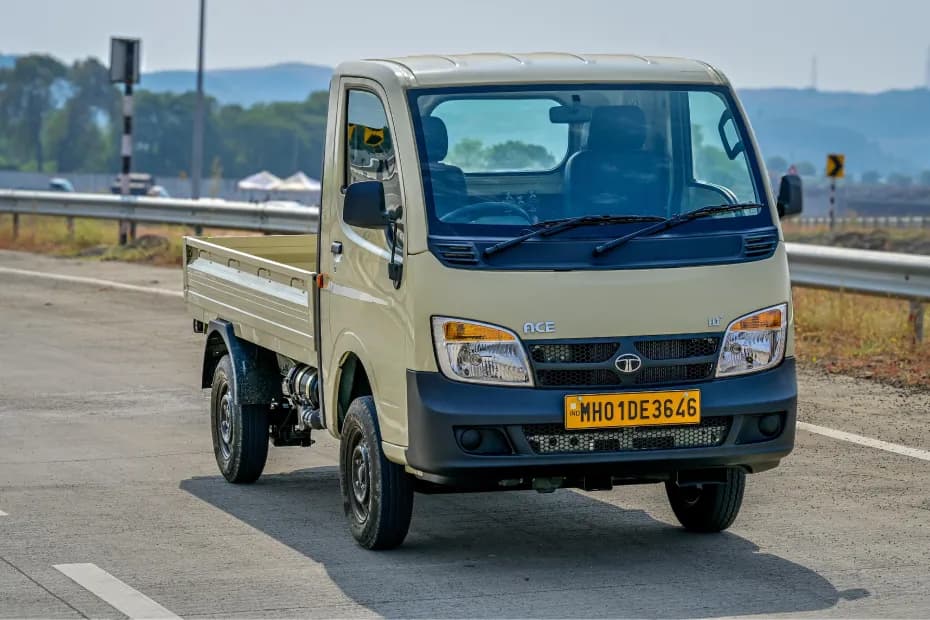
[(497, 160)]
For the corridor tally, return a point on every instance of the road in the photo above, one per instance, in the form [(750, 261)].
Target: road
[(105, 459)]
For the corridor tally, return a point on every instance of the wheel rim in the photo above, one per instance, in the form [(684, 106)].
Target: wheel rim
[(358, 467), (224, 425)]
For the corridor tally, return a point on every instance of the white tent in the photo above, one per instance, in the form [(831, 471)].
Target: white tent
[(297, 182), (261, 181)]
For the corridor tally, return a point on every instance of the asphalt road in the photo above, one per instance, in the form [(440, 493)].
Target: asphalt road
[(105, 459)]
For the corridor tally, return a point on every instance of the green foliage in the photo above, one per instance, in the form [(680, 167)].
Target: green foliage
[(924, 178), (900, 180), (871, 177), (805, 168), (72, 116), (776, 164), (512, 155)]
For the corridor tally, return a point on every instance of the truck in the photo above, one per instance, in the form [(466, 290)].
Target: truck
[(531, 272)]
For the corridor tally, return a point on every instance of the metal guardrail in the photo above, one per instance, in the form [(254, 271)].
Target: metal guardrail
[(892, 221), (905, 276), (280, 217)]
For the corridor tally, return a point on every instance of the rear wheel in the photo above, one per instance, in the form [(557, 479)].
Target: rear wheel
[(240, 437), (711, 507), (377, 494)]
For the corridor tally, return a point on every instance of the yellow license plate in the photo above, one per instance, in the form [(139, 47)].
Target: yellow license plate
[(632, 409)]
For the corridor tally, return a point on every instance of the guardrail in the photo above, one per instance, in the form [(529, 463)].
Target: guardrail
[(905, 276), (279, 217), (892, 221)]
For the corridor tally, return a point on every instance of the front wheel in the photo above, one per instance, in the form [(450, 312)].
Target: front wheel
[(377, 494), (711, 507), (240, 437)]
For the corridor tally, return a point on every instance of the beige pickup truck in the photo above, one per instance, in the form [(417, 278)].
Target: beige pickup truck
[(533, 272)]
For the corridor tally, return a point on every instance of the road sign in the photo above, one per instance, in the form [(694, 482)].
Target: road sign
[(836, 164)]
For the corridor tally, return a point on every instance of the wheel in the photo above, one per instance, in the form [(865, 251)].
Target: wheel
[(710, 508), (240, 435), (377, 494)]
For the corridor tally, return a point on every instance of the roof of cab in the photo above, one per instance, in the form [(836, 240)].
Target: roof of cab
[(539, 67)]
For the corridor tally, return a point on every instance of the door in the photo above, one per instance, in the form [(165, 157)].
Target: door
[(362, 311)]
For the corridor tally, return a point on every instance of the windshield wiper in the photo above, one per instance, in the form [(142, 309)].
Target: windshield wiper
[(553, 227), (671, 222)]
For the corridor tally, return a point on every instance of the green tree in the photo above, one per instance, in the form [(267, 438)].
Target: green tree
[(28, 95), (805, 168), (776, 164), (871, 177), (901, 180), (924, 178), (516, 155), (468, 154)]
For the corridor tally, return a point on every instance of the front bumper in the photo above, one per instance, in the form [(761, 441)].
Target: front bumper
[(438, 406)]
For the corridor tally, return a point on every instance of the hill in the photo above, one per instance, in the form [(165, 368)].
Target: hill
[(283, 82)]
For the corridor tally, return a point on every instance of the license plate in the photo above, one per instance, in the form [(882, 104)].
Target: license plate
[(632, 409)]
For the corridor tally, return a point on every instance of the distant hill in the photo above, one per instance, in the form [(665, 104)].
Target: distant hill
[(284, 82), (887, 131)]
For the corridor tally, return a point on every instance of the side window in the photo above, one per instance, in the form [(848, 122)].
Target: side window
[(369, 144), (713, 156)]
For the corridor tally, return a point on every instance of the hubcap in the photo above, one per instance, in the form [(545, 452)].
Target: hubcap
[(224, 425), (359, 466)]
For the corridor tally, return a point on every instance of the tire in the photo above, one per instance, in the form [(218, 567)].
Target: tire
[(240, 434), (377, 495), (711, 508)]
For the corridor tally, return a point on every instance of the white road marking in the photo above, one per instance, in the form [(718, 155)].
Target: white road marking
[(114, 592), (3, 514), (92, 281), (916, 453)]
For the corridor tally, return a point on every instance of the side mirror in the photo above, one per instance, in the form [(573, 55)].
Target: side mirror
[(364, 205), (790, 196)]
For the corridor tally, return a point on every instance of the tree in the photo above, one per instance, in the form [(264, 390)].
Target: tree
[(776, 164), (871, 177), (29, 93), (901, 180), (468, 154), (924, 178), (805, 168)]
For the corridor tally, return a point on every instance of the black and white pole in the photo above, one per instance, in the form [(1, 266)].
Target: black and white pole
[(832, 203), (127, 230), (124, 68)]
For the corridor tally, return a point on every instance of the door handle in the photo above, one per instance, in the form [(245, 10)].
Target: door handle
[(336, 247)]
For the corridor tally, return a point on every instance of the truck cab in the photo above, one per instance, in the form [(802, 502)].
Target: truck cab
[(532, 272)]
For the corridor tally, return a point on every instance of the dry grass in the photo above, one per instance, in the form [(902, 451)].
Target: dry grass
[(96, 239), (863, 336), (859, 335)]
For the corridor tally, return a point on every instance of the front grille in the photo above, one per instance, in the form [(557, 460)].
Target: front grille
[(563, 377), (670, 374), (677, 348), (592, 363), (581, 353), (555, 439)]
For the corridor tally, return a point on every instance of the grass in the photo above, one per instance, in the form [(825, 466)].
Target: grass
[(863, 336), (858, 335)]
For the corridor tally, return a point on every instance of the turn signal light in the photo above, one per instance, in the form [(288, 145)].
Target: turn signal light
[(769, 319), (458, 331)]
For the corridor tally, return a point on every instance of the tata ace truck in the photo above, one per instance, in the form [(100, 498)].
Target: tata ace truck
[(532, 272)]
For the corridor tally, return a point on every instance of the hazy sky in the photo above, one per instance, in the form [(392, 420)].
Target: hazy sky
[(864, 45)]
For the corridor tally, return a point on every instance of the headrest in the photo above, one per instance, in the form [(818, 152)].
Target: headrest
[(617, 128), (436, 138)]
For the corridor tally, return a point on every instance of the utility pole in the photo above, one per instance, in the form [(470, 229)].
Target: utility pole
[(124, 68), (197, 150)]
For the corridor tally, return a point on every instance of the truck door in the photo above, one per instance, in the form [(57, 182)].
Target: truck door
[(361, 310)]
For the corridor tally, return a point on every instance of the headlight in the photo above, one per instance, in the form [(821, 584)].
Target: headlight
[(754, 342), (480, 353)]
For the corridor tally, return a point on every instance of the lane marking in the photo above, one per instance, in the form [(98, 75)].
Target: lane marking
[(917, 453), (114, 592), (92, 281)]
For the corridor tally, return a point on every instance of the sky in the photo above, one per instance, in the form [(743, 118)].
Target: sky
[(860, 45)]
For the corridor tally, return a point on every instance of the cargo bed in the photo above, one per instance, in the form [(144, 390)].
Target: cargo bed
[(263, 285)]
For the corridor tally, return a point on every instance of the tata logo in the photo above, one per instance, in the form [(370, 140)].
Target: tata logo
[(628, 363), (543, 327)]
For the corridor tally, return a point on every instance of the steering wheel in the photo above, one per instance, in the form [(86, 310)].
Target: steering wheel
[(473, 212)]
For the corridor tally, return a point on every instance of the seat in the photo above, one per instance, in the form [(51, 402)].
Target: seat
[(615, 174), (446, 181)]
